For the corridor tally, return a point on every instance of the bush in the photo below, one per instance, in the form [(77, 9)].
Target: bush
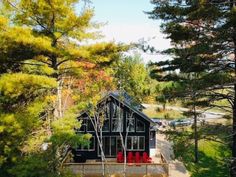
[(34, 165)]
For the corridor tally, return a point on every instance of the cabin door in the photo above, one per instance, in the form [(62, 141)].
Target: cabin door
[(111, 146)]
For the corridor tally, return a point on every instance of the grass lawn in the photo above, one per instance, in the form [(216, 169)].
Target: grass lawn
[(154, 112), (212, 160)]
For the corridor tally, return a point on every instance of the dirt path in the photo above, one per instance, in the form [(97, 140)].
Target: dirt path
[(177, 168)]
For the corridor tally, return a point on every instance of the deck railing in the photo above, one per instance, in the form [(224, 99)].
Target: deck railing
[(94, 169), (138, 170), (165, 164)]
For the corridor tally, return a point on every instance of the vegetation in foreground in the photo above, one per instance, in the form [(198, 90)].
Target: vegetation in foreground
[(214, 153), (212, 160)]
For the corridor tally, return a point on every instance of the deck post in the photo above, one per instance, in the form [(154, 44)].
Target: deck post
[(104, 168), (83, 173), (168, 169), (146, 169)]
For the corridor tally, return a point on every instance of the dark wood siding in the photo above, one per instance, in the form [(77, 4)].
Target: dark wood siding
[(110, 133)]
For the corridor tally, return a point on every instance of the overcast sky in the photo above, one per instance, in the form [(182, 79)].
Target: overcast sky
[(127, 22)]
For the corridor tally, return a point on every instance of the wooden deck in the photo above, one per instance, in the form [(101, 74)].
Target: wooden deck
[(94, 169)]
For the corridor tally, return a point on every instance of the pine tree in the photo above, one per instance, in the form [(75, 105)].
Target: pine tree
[(44, 47), (203, 38), (60, 47)]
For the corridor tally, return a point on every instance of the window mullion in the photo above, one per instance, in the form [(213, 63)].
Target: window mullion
[(138, 143), (132, 143), (110, 147)]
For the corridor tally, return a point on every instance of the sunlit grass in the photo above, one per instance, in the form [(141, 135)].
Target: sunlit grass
[(212, 160), (154, 112)]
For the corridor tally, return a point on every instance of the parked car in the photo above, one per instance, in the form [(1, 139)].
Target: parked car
[(180, 122)]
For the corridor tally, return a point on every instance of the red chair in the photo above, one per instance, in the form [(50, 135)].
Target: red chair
[(137, 158), (146, 158), (120, 157), (130, 157)]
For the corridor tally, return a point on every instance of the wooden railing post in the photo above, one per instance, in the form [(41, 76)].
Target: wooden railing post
[(168, 169), (146, 169), (105, 168), (83, 172)]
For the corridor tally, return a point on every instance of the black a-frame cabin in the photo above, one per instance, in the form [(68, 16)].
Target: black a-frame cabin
[(118, 112)]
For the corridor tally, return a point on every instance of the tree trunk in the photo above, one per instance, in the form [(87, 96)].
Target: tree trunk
[(58, 101), (102, 154), (59, 98), (98, 132), (58, 91), (233, 164), (123, 143), (195, 134), (125, 163)]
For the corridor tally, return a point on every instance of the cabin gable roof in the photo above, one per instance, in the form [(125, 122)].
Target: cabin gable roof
[(141, 114), (125, 103)]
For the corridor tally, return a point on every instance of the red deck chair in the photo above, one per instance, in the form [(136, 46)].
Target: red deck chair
[(137, 158), (120, 157), (130, 158), (146, 158)]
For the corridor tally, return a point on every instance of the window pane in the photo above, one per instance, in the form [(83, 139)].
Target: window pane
[(113, 146), (119, 144), (106, 125), (92, 144), (106, 146), (114, 125), (107, 110), (83, 126), (130, 124), (117, 125), (117, 119), (114, 110), (89, 125), (117, 111), (79, 147), (141, 143), (140, 126), (129, 114), (135, 143), (129, 143)]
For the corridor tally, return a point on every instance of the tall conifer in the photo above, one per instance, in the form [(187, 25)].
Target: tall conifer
[(203, 36)]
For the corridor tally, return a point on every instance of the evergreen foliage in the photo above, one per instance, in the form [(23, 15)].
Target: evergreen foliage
[(45, 55), (203, 40)]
